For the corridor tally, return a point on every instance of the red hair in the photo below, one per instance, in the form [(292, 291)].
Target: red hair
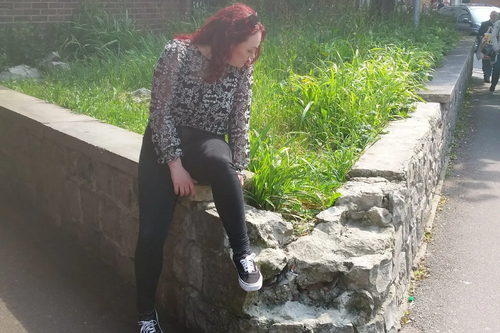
[(228, 27)]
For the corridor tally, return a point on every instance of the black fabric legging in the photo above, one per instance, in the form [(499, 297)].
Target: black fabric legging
[(496, 72), (207, 158), (487, 68)]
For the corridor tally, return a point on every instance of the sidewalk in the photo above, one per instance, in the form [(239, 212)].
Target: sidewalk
[(48, 285), (463, 260)]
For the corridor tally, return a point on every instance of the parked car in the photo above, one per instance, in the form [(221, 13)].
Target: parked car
[(469, 17), (452, 11), (434, 4)]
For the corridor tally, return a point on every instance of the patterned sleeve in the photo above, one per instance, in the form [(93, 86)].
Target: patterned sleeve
[(165, 138), (239, 120)]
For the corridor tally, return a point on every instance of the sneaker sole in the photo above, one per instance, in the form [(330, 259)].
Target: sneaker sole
[(250, 287)]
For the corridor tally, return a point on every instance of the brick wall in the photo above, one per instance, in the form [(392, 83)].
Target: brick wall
[(150, 14)]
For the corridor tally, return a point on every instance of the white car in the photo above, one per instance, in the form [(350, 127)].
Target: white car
[(469, 17)]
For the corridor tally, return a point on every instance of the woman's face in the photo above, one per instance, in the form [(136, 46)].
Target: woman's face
[(245, 51)]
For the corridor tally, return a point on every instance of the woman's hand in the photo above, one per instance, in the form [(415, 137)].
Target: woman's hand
[(241, 178), (183, 183)]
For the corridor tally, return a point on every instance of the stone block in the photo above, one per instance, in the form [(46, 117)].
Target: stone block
[(377, 216), (90, 207), (374, 326), (72, 162), (358, 242), (126, 268), (172, 293), (19, 72), (279, 294), (108, 251), (130, 234), (329, 220), (358, 305), (203, 194), (207, 229), (371, 272), (396, 206), (71, 209), (297, 327), (110, 219), (50, 152), (188, 263), (205, 317), (123, 189), (85, 170), (315, 259), (104, 179), (268, 229), (251, 325), (333, 328), (223, 293), (384, 277), (53, 209), (362, 193), (271, 262), (88, 237), (391, 317)]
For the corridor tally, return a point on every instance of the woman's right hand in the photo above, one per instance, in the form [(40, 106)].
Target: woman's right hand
[(183, 183)]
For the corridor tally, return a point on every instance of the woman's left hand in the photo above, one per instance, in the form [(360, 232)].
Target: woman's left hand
[(241, 178)]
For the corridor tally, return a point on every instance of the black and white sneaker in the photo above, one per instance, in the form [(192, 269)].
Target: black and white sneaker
[(150, 324), (250, 278)]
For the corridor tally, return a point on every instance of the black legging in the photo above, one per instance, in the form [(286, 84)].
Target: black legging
[(207, 158), (496, 72), (487, 68)]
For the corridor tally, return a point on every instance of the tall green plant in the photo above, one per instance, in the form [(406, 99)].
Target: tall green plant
[(93, 31), (23, 43)]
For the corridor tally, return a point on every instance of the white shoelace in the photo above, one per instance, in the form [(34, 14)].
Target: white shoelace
[(148, 326), (248, 263)]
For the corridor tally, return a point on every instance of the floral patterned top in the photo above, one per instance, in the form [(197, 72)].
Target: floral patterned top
[(181, 97)]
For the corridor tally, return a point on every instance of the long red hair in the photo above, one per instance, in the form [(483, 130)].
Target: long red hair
[(228, 27)]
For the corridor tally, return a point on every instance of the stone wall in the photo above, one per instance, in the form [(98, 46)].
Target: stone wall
[(151, 14), (350, 274)]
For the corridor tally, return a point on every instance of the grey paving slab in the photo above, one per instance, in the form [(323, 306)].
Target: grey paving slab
[(390, 157), (461, 294), (442, 85), (79, 127)]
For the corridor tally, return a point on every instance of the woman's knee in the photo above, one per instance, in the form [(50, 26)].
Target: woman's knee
[(220, 167)]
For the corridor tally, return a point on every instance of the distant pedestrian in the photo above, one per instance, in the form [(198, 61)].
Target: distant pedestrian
[(486, 27), (440, 4), (425, 9), (496, 48)]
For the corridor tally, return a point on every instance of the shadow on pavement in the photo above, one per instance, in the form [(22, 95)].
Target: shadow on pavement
[(48, 284)]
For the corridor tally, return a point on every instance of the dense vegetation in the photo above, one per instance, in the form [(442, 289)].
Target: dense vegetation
[(329, 80)]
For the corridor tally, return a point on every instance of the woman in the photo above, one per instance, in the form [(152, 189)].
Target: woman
[(201, 91)]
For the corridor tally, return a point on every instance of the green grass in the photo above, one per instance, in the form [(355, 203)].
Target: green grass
[(324, 88)]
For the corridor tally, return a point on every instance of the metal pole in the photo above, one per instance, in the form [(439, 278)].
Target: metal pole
[(417, 15)]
